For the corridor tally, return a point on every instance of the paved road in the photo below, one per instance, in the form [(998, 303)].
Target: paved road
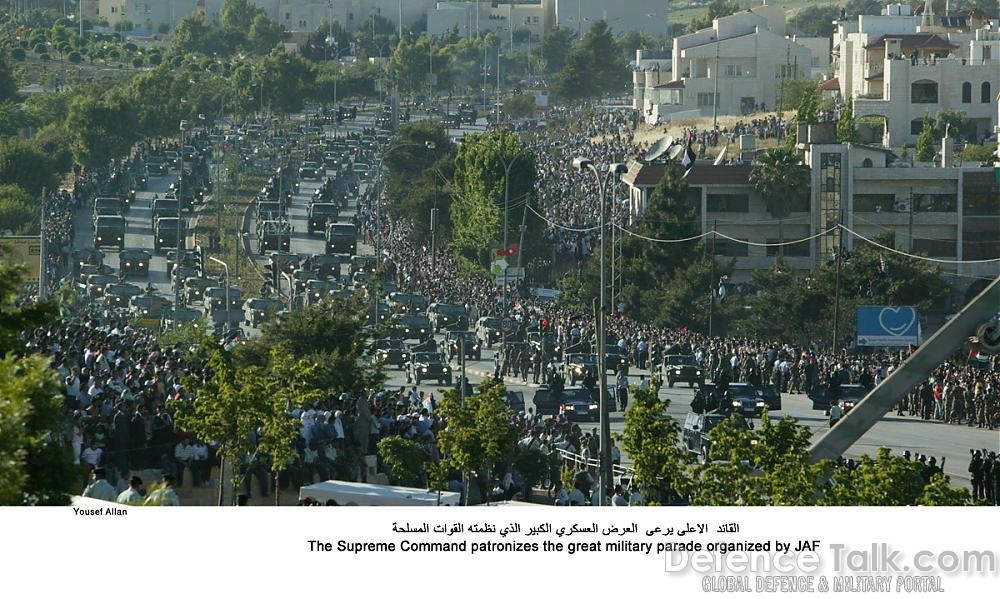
[(138, 234), (898, 433)]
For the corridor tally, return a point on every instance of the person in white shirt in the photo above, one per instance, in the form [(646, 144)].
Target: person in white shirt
[(100, 488), (202, 469), (165, 496), (92, 454), (184, 455), (836, 412), (132, 495)]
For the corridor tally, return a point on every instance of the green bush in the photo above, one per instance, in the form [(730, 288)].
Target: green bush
[(163, 28), (137, 62), (130, 47), (44, 56), (154, 59), (18, 54), (39, 49), (74, 57)]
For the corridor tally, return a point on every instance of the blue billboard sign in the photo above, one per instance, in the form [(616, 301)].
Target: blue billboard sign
[(888, 326)]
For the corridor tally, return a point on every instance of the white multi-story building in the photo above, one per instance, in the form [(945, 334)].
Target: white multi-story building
[(901, 67), (946, 210), (736, 66), (145, 14)]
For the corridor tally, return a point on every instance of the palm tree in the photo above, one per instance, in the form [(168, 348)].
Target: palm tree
[(782, 180)]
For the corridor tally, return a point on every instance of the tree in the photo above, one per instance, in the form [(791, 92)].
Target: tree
[(556, 44), (18, 211), (329, 335), (783, 181), (239, 15), (593, 67), (8, 84), (808, 110), (925, 141), (816, 20), (405, 460), (36, 463), (480, 432), (482, 164), (863, 7), (264, 34), (24, 165), (419, 176), (652, 439), (101, 129), (786, 307), (716, 9), (847, 127), (519, 106), (533, 465)]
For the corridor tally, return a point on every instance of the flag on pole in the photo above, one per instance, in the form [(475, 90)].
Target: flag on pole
[(688, 160)]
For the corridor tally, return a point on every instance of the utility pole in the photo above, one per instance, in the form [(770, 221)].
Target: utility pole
[(836, 300), (461, 382), (523, 228), (910, 238), (43, 250), (181, 244), (711, 279), (498, 85), (434, 218), (715, 96)]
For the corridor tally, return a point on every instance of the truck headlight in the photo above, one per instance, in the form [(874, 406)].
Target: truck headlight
[(594, 406), (698, 373), (130, 264), (760, 404), (677, 372), (736, 404), (423, 370), (570, 407), (446, 370)]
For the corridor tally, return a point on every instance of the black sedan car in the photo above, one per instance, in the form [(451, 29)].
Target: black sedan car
[(580, 404)]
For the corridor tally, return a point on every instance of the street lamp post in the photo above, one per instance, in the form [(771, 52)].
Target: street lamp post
[(180, 244), (606, 475), (225, 266)]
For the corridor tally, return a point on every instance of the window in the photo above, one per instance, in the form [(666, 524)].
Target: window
[(924, 92), (987, 53), (288, 16), (943, 248), (795, 250), (984, 93), (705, 99), (725, 247), (935, 202), (728, 202), (534, 20), (981, 200), (916, 126), (966, 93), (786, 71), (874, 202), (867, 163)]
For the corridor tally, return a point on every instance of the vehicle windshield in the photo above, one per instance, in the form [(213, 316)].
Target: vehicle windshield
[(577, 395), (583, 359), (430, 358), (347, 230), (449, 309), (680, 360)]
